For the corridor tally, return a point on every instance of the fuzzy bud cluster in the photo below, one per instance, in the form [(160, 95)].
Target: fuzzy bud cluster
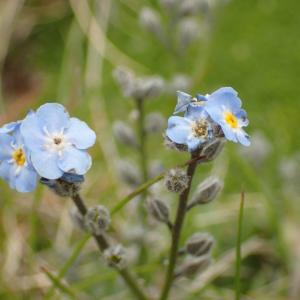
[(115, 256), (138, 88), (176, 180), (97, 219)]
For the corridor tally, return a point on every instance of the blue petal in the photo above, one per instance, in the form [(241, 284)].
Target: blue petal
[(5, 146), (183, 101), (53, 116), (193, 143), (179, 128), (242, 117), (10, 127), (5, 170), (243, 138), (75, 160), (196, 112), (26, 181), (32, 133), (201, 97), (80, 134), (229, 133), (45, 164), (225, 97)]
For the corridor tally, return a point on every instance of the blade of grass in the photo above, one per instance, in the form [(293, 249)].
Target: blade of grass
[(59, 285), (238, 249), (76, 251)]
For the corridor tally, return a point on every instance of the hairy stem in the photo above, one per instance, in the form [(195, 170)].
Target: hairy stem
[(103, 244), (176, 231)]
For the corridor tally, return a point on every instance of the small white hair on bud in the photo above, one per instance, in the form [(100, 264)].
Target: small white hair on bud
[(97, 219), (115, 256), (158, 210), (199, 244)]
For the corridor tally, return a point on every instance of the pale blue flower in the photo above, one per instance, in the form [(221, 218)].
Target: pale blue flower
[(192, 130), (224, 107), (57, 143), (15, 164)]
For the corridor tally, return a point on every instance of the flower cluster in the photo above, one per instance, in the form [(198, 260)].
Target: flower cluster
[(207, 118), (47, 143)]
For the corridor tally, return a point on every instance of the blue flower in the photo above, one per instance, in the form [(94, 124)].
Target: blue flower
[(192, 130), (224, 107), (15, 164), (184, 101), (57, 143)]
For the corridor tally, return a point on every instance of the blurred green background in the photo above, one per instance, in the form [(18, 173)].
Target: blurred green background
[(66, 51)]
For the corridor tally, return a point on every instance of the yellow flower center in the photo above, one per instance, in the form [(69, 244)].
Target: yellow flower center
[(231, 120), (200, 128), (19, 157)]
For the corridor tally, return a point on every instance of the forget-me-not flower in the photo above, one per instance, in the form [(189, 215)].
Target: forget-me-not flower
[(15, 164), (224, 107), (57, 143), (184, 101), (191, 130)]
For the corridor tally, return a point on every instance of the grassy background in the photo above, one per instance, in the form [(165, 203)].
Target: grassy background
[(252, 46)]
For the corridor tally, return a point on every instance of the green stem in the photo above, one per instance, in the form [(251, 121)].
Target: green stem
[(103, 244), (149, 183), (238, 250), (181, 210)]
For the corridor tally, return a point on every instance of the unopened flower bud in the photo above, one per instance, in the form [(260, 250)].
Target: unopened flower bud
[(191, 7), (206, 191), (77, 218), (199, 244), (193, 266), (115, 256), (125, 78), (176, 180), (168, 5), (129, 173), (150, 20), (147, 87), (180, 82), (211, 150), (124, 134), (188, 31), (154, 123), (66, 186), (158, 209), (97, 219)]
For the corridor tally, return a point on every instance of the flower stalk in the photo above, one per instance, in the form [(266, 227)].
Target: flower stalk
[(103, 244), (176, 230)]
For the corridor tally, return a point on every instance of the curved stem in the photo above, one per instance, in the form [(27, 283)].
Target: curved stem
[(181, 210), (103, 244)]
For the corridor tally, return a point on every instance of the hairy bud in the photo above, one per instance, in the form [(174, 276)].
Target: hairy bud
[(154, 123), (115, 256), (124, 134), (66, 186), (97, 219), (149, 19), (129, 173), (158, 209), (199, 244), (193, 266), (176, 180), (188, 32), (212, 150), (206, 191)]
